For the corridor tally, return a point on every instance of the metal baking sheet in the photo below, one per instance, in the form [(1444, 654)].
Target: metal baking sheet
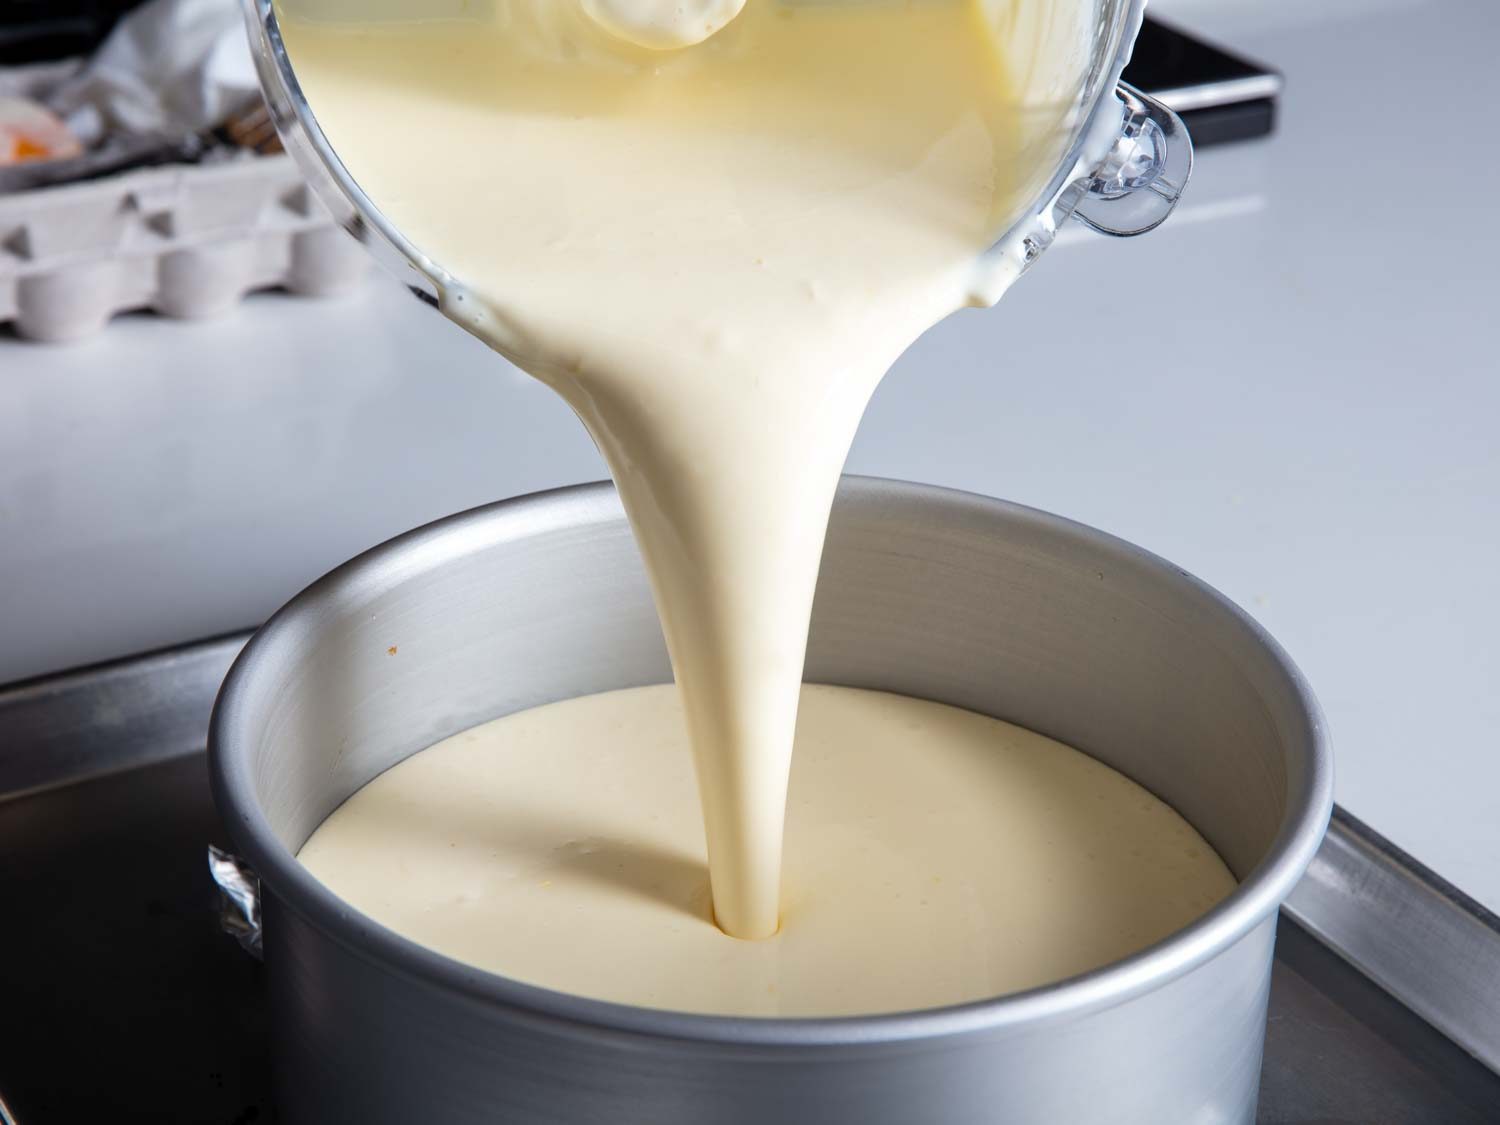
[(121, 1000)]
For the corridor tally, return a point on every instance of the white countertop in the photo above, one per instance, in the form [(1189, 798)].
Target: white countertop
[(1290, 389)]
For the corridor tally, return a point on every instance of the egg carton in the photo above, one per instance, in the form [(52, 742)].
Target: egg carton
[(188, 241)]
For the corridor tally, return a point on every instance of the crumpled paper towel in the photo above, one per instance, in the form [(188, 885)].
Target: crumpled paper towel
[(169, 68)]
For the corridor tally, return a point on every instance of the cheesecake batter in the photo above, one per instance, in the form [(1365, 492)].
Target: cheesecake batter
[(713, 254), (933, 856), (711, 227), (662, 24)]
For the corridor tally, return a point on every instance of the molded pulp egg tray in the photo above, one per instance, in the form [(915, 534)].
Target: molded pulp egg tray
[(184, 240)]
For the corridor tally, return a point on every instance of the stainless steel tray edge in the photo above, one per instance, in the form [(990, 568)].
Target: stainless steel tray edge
[(1413, 933), (72, 726)]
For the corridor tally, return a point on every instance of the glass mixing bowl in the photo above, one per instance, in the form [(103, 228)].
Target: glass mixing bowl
[(1117, 159)]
